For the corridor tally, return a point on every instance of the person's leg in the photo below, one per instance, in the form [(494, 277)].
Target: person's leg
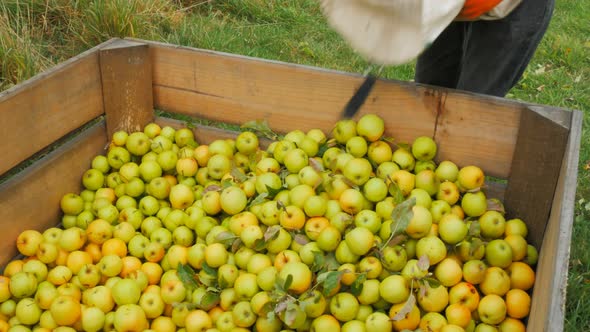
[(440, 63), (497, 52)]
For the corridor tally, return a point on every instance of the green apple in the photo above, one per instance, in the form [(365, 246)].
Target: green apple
[(404, 159), (433, 247), (424, 148), (138, 143), (474, 204), (394, 289), (427, 180), (93, 179), (117, 156), (375, 189), (72, 204), (359, 240), (492, 224), (357, 146), (498, 253), (344, 306), (344, 130), (447, 171), (28, 311), (378, 322), (394, 258), (379, 152), (371, 127), (452, 229)]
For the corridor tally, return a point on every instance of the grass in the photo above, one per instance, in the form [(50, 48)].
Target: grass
[(36, 34)]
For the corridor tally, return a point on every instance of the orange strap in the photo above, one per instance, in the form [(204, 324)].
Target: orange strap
[(475, 8)]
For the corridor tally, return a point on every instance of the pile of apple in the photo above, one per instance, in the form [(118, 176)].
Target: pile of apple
[(341, 232)]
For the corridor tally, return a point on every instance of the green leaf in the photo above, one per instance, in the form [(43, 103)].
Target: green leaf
[(330, 262), (395, 192), (316, 165), (262, 128), (235, 246), (209, 270), (259, 244), (288, 282), (238, 175), (357, 285), (188, 276), (225, 238), (227, 183), (272, 233), (272, 192), (474, 229), (318, 261), (209, 300), (401, 216), (397, 239), (406, 309), (476, 243), (329, 281), (259, 199), (432, 282)]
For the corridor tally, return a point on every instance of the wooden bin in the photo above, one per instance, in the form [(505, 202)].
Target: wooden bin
[(68, 113)]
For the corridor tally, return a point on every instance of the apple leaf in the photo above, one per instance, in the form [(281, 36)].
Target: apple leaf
[(475, 244), (259, 199), (318, 261), (209, 270), (474, 229), (288, 282), (357, 285), (226, 183), (238, 174), (300, 239), (188, 276), (394, 191), (495, 205), (290, 315), (401, 216), (423, 263), (316, 165), (387, 139), (432, 282), (398, 239), (225, 238), (212, 187), (272, 233), (331, 263), (329, 281), (267, 308), (406, 309), (236, 245), (209, 300), (261, 127), (272, 192), (280, 285), (259, 244)]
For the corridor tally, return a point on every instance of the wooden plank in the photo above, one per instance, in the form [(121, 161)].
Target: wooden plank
[(236, 89), (233, 88), (30, 200), (48, 106), (478, 130), (127, 85), (534, 171), (549, 294)]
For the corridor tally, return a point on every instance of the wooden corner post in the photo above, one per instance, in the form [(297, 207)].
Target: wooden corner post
[(536, 164), (126, 73)]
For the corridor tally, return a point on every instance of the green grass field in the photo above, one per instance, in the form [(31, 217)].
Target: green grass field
[(36, 34)]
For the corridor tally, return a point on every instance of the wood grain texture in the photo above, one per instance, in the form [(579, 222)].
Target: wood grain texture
[(535, 168), (237, 89), (478, 130), (30, 200), (48, 106), (127, 85), (549, 294)]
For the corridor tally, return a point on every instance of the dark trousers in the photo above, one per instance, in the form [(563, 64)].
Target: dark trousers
[(486, 57)]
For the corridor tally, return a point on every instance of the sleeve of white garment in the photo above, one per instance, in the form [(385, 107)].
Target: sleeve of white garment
[(390, 32)]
